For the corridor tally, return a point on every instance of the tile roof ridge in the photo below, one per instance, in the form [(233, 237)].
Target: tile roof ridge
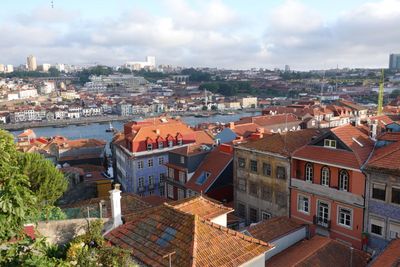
[(234, 233), (198, 198)]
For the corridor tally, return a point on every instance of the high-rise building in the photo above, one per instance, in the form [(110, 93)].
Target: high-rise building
[(45, 67), (9, 68), (150, 64), (2, 68), (394, 61), (31, 63)]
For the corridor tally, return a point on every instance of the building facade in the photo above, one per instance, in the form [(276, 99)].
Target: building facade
[(328, 186), (394, 61)]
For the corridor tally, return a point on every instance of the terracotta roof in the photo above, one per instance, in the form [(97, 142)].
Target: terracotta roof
[(352, 105), (357, 141), (390, 257), (201, 206), (269, 120), (245, 129), (192, 149), (273, 228), (161, 230), (155, 200), (210, 169), (317, 252), (27, 133), (382, 119), (389, 136), (387, 157), (204, 137), (283, 144)]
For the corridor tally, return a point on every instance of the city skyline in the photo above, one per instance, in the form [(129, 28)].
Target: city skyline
[(226, 34)]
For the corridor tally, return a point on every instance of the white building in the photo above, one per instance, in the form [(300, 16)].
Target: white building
[(9, 68), (45, 67), (70, 95), (2, 68), (28, 93), (47, 87), (31, 63), (248, 102), (150, 63), (12, 96), (60, 67)]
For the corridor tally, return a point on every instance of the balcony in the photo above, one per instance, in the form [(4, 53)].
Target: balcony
[(322, 222), (328, 192)]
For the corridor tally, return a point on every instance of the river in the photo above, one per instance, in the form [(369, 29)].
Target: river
[(98, 131)]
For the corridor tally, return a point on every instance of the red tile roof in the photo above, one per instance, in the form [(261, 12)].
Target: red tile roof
[(317, 252), (271, 229), (201, 206), (390, 257), (357, 141), (387, 157), (389, 136), (154, 233), (285, 143), (213, 164)]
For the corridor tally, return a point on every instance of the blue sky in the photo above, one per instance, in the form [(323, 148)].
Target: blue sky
[(306, 34)]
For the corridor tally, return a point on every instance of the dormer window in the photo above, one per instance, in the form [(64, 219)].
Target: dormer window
[(330, 143), (180, 142), (160, 145), (149, 147), (170, 143)]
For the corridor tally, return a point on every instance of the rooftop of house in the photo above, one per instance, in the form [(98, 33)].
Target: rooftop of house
[(358, 143), (191, 150), (210, 168), (382, 119), (271, 229), (351, 105), (283, 144), (319, 251), (390, 257), (153, 234), (269, 120), (387, 157), (203, 137), (389, 136), (201, 206)]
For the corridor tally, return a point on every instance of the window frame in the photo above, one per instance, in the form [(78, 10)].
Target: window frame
[(378, 185), (250, 214), (241, 163), (396, 187), (140, 165), (161, 160), (269, 169), (150, 163), (341, 181), (301, 201), (149, 146), (339, 208), (325, 170), (253, 185), (141, 182), (242, 187), (239, 206), (278, 168), (170, 186), (330, 143), (309, 172), (267, 217), (377, 221), (254, 168)]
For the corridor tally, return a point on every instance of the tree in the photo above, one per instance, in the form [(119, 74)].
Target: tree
[(395, 93), (204, 108), (214, 107), (29, 184)]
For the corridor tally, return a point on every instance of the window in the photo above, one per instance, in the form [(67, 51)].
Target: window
[(181, 194), (182, 160), (241, 184), (266, 192), (253, 188), (325, 174), (330, 143), (180, 142), (162, 177), (140, 164), (170, 143), (141, 182), (170, 191), (265, 215), (323, 213), (396, 195), (160, 160), (171, 173), (253, 165), (150, 163), (345, 217), (149, 147), (309, 172), (281, 199), (151, 181), (160, 145), (151, 192), (379, 191), (267, 169), (377, 226), (343, 180), (182, 177), (161, 190), (241, 210), (394, 230), (281, 172), (253, 215), (241, 163), (303, 204)]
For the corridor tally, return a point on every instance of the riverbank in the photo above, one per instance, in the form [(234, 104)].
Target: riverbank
[(113, 118)]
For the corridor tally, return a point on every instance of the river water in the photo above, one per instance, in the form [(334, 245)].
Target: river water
[(98, 131)]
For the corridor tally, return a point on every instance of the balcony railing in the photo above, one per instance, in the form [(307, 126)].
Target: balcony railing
[(323, 222)]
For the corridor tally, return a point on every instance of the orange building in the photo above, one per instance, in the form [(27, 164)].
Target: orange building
[(327, 185)]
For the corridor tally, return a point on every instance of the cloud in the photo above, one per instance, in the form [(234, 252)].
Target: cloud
[(209, 33)]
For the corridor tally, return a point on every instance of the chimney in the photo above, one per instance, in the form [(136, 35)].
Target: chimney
[(260, 130), (232, 125), (115, 197), (374, 130), (157, 131)]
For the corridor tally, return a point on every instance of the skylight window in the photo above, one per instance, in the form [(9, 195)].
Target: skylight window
[(202, 178), (168, 234), (358, 142)]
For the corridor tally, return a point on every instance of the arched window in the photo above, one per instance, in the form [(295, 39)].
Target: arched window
[(309, 172), (344, 180), (325, 175)]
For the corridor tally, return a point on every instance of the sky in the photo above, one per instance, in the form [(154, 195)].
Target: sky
[(233, 34)]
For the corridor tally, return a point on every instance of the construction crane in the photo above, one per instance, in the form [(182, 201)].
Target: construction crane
[(380, 94)]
